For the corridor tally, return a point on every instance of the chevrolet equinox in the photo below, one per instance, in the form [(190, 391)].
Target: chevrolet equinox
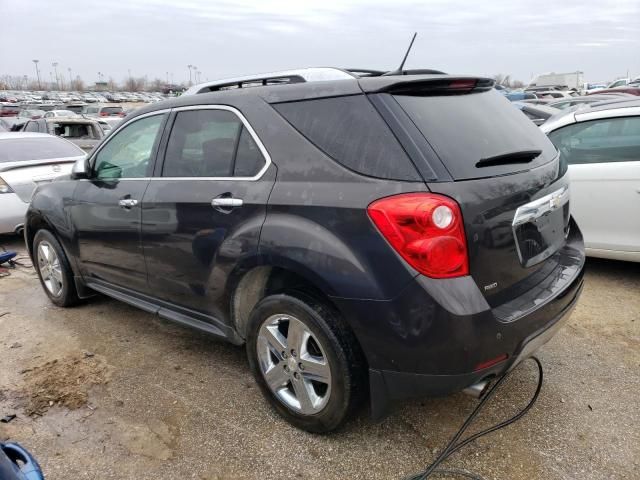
[(364, 235)]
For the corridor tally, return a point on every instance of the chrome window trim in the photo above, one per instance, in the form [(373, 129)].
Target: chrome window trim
[(247, 125), (93, 156)]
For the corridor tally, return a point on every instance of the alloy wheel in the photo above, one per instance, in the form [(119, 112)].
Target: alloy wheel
[(293, 364), (50, 270)]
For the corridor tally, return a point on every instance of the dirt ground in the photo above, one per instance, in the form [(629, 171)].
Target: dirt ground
[(106, 391)]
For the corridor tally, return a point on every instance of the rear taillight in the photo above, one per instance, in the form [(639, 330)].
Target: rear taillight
[(4, 187), (104, 114), (426, 230)]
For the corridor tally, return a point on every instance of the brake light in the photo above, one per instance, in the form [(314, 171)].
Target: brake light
[(121, 114), (426, 229), (104, 114), (463, 85)]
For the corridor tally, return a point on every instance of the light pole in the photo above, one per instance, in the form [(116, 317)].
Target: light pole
[(37, 73), (70, 79), (55, 69), (189, 67), (167, 78)]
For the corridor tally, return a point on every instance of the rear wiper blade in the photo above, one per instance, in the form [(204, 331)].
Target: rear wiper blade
[(508, 158)]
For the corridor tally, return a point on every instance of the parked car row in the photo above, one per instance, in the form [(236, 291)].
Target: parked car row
[(28, 97)]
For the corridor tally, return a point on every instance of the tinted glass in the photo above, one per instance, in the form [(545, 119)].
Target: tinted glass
[(249, 159), (202, 144), (128, 152), (464, 129), (351, 131), (41, 148), (599, 141)]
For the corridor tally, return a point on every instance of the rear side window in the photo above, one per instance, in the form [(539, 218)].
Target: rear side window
[(599, 141), (467, 129), (351, 131), (211, 143)]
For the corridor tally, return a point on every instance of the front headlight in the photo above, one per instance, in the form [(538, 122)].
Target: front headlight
[(4, 187)]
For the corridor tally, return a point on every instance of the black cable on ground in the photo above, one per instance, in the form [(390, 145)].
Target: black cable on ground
[(454, 445)]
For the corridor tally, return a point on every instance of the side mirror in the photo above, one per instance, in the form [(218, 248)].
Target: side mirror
[(80, 169)]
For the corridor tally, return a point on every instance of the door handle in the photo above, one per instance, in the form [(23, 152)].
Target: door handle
[(226, 202), (127, 203)]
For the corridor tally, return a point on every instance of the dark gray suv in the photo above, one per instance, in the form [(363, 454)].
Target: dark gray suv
[(380, 236)]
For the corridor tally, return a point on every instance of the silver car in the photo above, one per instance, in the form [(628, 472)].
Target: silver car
[(26, 160)]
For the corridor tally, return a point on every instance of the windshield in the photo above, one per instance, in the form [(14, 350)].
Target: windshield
[(39, 148)]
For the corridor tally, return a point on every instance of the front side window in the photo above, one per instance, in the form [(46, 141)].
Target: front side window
[(211, 143), (128, 153), (599, 141)]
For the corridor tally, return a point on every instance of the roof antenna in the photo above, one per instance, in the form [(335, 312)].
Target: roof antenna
[(399, 70)]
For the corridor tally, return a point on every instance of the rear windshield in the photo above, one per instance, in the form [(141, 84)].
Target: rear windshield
[(465, 129), (111, 110), (43, 148)]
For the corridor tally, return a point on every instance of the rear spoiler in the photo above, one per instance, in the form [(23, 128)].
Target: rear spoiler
[(426, 85)]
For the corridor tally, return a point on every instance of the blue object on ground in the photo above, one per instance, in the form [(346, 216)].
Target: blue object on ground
[(6, 256), (18, 464)]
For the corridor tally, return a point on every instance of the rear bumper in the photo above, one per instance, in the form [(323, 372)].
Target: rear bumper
[(435, 336), (12, 212), (388, 387)]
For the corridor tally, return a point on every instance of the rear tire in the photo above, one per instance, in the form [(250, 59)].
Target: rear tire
[(306, 361), (54, 271)]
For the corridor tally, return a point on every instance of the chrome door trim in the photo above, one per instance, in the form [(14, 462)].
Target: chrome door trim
[(249, 128)]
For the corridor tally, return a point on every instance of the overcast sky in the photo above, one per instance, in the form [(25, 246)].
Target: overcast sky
[(225, 38)]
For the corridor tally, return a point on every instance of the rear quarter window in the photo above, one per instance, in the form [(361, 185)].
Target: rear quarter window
[(352, 132)]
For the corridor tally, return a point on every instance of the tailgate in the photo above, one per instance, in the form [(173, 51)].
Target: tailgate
[(500, 168), (513, 224)]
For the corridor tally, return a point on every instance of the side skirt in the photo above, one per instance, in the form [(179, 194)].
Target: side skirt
[(168, 311)]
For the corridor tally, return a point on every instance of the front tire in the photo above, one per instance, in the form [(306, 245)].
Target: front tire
[(306, 361), (54, 271)]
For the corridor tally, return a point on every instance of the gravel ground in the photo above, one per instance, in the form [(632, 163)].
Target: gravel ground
[(139, 398)]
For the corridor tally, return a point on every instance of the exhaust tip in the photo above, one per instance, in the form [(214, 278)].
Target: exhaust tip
[(19, 230), (477, 390)]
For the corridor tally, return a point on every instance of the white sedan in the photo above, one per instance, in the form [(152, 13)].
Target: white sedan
[(26, 160), (601, 146)]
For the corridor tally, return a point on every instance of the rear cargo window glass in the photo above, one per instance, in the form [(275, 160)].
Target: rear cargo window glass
[(351, 131), (464, 129), (39, 148), (599, 141)]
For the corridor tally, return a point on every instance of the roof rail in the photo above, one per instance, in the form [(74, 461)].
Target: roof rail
[(314, 74)]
